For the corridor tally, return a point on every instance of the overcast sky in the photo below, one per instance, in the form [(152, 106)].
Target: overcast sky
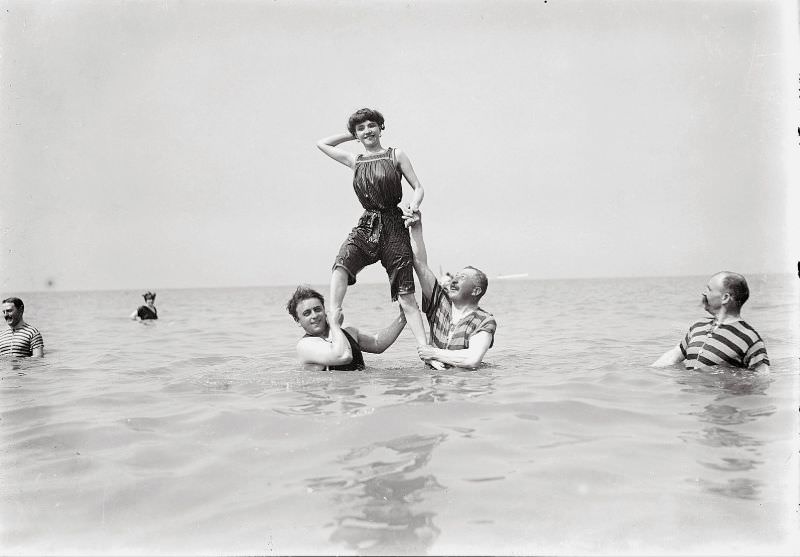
[(172, 144)]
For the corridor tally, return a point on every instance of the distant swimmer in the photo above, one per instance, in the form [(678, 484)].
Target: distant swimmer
[(20, 339), (326, 345), (379, 234), (725, 338), (148, 310), (461, 332)]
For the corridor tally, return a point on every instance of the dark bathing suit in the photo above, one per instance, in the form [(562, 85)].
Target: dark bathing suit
[(357, 363), (145, 312), (380, 234)]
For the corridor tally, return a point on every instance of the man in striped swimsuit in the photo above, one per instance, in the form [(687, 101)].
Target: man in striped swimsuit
[(20, 339), (725, 338), (461, 331)]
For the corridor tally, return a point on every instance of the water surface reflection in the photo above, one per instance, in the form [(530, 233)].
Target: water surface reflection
[(358, 393), (381, 492), (736, 402)]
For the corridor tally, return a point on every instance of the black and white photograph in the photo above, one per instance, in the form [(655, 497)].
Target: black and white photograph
[(399, 277)]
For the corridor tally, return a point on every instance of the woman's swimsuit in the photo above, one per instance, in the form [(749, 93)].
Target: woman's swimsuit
[(146, 312), (380, 234)]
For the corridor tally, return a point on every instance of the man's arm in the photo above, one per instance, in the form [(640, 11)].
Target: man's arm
[(468, 358), (411, 178), (37, 345), (424, 273), (762, 367), (671, 357), (756, 357), (328, 146), (383, 339), (317, 350)]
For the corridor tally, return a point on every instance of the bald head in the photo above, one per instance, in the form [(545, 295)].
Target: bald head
[(479, 279), (735, 285)]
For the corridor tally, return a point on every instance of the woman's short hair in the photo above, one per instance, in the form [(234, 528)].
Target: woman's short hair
[(362, 115), (302, 293)]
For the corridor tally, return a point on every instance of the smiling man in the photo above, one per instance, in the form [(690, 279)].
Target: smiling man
[(461, 332), (20, 339), (724, 338), (326, 345)]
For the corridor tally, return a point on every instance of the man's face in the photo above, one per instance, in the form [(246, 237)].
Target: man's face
[(462, 285), (11, 314), (311, 316), (714, 295)]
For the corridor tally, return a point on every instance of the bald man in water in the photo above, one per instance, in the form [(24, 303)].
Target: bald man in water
[(461, 331), (724, 338)]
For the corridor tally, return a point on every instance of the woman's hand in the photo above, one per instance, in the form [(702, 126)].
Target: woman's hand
[(410, 216)]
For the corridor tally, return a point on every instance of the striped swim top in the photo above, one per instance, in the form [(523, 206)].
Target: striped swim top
[(20, 342), (735, 344)]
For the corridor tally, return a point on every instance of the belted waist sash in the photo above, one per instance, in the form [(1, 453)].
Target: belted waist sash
[(373, 221)]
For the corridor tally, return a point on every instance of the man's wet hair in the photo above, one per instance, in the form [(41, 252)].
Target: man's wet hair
[(480, 280), (735, 285), (17, 303), (362, 115), (302, 293)]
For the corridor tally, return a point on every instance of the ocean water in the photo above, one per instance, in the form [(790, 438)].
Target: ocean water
[(198, 434)]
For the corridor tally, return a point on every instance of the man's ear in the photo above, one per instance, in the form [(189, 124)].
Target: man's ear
[(477, 291), (726, 297)]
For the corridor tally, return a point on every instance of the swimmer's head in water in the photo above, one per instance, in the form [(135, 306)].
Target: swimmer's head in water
[(468, 284), (364, 115), (149, 296), (12, 311), (302, 293), (725, 289)]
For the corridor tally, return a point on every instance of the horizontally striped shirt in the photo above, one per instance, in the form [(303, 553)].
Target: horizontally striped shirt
[(735, 344), (454, 336), (20, 342)]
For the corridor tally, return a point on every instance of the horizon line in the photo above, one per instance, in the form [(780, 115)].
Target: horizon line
[(521, 277)]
